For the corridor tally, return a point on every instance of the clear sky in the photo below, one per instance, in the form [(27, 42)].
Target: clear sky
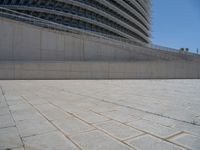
[(176, 23)]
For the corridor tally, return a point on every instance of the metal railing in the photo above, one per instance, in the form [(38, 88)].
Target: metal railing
[(4, 12)]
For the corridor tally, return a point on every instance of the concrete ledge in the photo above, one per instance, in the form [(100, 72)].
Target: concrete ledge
[(99, 70)]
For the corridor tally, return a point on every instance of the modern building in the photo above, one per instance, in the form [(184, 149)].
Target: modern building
[(129, 19), (85, 39)]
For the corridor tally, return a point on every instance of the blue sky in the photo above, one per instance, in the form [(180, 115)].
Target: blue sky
[(176, 23)]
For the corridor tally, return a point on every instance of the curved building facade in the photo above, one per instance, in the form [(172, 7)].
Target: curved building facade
[(128, 19)]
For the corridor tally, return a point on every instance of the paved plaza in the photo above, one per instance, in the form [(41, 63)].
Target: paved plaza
[(100, 115)]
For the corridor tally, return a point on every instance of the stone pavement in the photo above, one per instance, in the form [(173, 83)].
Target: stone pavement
[(100, 115)]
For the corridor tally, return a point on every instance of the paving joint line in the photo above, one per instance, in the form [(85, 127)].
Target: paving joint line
[(175, 135), (55, 126), (91, 124), (12, 117), (23, 137), (7, 127), (145, 132), (135, 137), (148, 112)]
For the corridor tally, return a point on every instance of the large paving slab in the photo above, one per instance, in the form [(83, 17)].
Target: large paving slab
[(154, 128), (34, 127), (91, 117), (72, 125), (189, 141), (100, 115), (51, 141), (118, 130), (9, 138), (148, 142), (96, 140), (4, 111), (6, 121)]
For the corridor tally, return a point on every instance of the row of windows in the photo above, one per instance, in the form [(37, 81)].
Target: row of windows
[(67, 21), (82, 12), (134, 7), (126, 10), (91, 15), (141, 5), (92, 3), (98, 5)]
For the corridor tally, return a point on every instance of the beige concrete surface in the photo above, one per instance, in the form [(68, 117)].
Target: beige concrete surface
[(30, 52), (99, 70), (24, 42), (100, 115)]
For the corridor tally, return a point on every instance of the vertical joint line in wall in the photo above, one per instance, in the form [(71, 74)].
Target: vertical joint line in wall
[(64, 48), (108, 69), (13, 59), (198, 71), (13, 38), (83, 49), (40, 45), (57, 46)]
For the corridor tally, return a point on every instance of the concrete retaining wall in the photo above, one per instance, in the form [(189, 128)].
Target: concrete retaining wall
[(20, 41), (30, 52), (24, 42), (99, 70)]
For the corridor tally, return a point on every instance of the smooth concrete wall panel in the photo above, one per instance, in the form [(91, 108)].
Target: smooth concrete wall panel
[(92, 50), (190, 71), (60, 47), (48, 45), (73, 48), (31, 46), (7, 70), (122, 54), (116, 67), (27, 74), (108, 52), (28, 66), (6, 38), (99, 70), (48, 55), (60, 42), (198, 70), (60, 55), (7, 74), (26, 43), (55, 75), (17, 42), (48, 40), (80, 67)]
